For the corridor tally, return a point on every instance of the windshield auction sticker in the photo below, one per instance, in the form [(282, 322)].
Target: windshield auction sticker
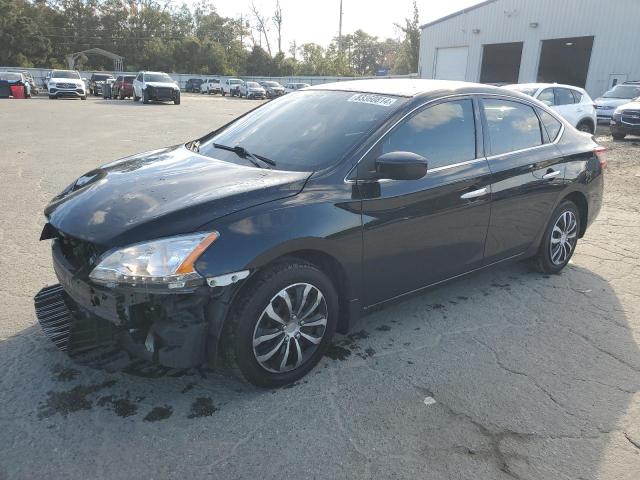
[(372, 99)]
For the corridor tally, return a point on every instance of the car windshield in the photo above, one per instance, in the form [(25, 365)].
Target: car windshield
[(526, 90), (157, 77), (233, 82), (64, 74), (271, 84), (623, 91), (196, 80), (252, 84), (305, 131), (101, 78), (10, 76), (128, 79)]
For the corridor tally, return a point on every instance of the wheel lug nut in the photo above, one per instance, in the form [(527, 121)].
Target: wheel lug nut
[(297, 335), (301, 323)]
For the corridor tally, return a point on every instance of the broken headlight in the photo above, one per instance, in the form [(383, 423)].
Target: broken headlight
[(163, 264)]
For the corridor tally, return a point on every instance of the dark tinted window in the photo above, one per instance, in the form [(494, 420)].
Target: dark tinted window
[(551, 125), (547, 97), (577, 96), (511, 126), (564, 97), (444, 134)]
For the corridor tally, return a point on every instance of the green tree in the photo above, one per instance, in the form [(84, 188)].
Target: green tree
[(407, 61)]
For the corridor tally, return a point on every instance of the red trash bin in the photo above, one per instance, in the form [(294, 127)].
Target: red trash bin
[(17, 91)]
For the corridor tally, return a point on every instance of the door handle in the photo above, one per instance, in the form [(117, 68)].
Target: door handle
[(551, 174), (474, 194)]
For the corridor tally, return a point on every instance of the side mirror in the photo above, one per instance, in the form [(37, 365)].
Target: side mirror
[(401, 166)]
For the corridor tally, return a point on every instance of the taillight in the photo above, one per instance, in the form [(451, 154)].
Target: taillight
[(599, 151)]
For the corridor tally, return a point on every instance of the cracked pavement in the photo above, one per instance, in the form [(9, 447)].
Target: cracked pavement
[(533, 376)]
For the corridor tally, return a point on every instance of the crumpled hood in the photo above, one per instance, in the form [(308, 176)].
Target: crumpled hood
[(162, 193), (162, 85)]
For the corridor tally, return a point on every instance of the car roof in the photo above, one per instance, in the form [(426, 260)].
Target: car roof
[(405, 87), (543, 85)]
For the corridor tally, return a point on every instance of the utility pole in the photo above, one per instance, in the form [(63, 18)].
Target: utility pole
[(340, 29)]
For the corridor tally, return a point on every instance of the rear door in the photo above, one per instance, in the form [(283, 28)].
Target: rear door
[(527, 173), (566, 105), (419, 232)]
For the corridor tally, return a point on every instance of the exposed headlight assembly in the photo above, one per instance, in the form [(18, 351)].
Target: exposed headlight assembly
[(165, 264)]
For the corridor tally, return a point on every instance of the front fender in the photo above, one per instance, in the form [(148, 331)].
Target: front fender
[(252, 239)]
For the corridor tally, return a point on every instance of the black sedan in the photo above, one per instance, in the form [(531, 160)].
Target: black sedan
[(264, 237)]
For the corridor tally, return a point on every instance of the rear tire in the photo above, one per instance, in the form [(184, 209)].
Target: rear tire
[(618, 136), (270, 363), (560, 239), (586, 127), (52, 97), (135, 98)]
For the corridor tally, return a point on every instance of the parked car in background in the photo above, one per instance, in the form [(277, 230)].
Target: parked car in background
[(66, 83), (210, 86), (32, 83), (573, 103), (267, 235), (626, 120), (193, 85), (96, 81), (618, 95), (272, 89), (156, 86), (17, 78), (123, 87), (252, 90), (231, 86), (292, 87)]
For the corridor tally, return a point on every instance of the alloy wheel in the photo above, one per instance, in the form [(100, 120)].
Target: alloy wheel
[(290, 328), (564, 237)]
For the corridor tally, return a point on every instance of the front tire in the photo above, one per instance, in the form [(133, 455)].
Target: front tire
[(176, 100), (280, 327), (560, 239), (145, 96), (618, 136)]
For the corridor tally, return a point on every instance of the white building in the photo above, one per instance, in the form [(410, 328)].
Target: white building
[(588, 43)]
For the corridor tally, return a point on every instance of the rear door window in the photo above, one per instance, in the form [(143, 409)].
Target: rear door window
[(511, 126), (444, 134)]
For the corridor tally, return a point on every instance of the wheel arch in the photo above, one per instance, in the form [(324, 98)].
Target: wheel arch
[(587, 120), (330, 266), (580, 200)]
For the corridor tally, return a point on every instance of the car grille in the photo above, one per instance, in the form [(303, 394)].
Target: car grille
[(631, 117), (90, 341), (163, 92), (65, 85)]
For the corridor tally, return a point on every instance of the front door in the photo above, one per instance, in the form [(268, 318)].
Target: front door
[(419, 232)]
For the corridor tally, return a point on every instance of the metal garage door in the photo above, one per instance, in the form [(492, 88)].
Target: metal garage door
[(451, 63)]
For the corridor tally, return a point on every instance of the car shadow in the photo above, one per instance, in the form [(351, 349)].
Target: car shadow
[(507, 372)]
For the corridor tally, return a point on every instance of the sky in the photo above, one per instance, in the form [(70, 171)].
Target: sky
[(317, 20)]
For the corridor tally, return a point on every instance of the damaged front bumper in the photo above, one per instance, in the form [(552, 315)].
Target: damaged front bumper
[(179, 330)]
